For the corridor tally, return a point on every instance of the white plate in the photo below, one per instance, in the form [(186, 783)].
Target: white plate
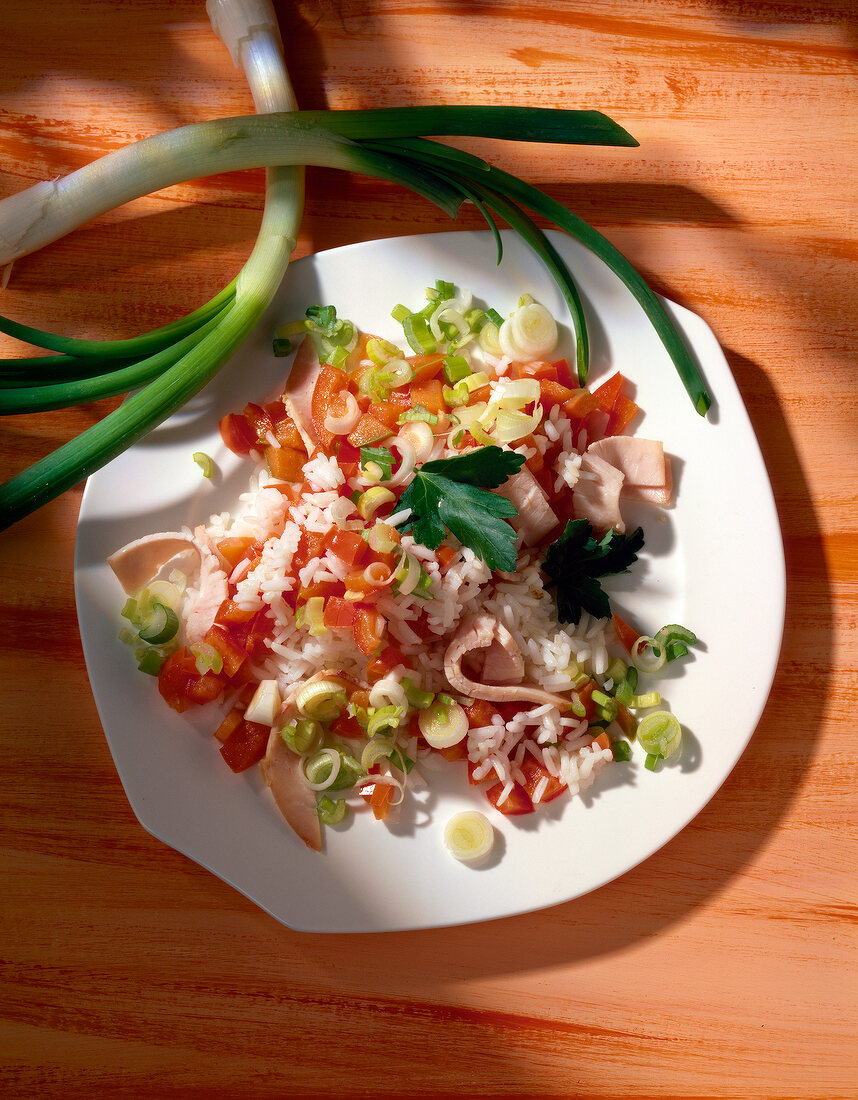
[(714, 562)]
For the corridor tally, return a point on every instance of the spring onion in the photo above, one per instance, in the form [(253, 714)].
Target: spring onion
[(324, 700), (150, 662), (204, 462), (642, 702), (314, 616), (368, 503), (622, 750), (173, 363), (647, 655), (384, 718), (469, 836), (321, 769), (206, 658), (660, 733), (416, 697), (331, 812), (443, 723), (265, 704), (160, 625)]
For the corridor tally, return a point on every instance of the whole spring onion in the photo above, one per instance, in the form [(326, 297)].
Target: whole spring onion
[(174, 362)]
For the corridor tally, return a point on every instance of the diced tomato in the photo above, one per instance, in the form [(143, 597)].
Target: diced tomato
[(534, 773), (603, 741), (230, 612), (360, 698), (261, 628), (349, 547), (580, 404), (234, 549), (537, 369), (229, 723), (233, 655), (454, 752), (388, 412), (609, 391), (258, 419), (626, 721), (627, 634), (311, 544), (347, 454), (382, 665), (180, 684), (552, 393), (348, 726), (380, 798), (368, 629), (329, 385), (339, 613), (369, 429), (517, 802), (480, 713), (246, 745), (425, 367), (621, 415), (237, 434), (429, 394), (565, 375), (286, 463)]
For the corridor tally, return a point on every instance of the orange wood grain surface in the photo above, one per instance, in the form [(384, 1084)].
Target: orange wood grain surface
[(724, 966)]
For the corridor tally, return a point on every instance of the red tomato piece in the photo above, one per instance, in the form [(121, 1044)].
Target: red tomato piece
[(380, 798), (480, 713), (339, 613), (429, 394), (234, 549), (368, 629), (329, 385), (382, 665), (565, 375), (537, 369), (348, 726), (180, 684), (258, 419), (425, 367), (622, 414), (627, 634), (609, 391), (233, 654), (534, 773), (517, 802), (349, 547), (246, 745), (237, 434), (369, 429), (552, 393)]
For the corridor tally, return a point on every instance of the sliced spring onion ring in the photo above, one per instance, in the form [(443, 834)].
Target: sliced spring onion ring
[(387, 692), (469, 836), (204, 462), (323, 699), (443, 724), (408, 574), (660, 733), (647, 655), (384, 718), (161, 625), (420, 437), (207, 658), (314, 616), (331, 812), (322, 769), (379, 748), (345, 421), (369, 502)]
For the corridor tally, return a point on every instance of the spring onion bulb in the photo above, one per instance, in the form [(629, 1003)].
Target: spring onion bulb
[(331, 812), (378, 748), (204, 462), (407, 454), (660, 734), (408, 574), (369, 502), (443, 724), (469, 836), (265, 704)]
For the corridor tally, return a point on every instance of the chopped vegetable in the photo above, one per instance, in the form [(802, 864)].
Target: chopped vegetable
[(469, 836)]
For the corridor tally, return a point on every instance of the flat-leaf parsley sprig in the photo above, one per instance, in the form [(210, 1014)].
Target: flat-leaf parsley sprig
[(453, 494), (576, 561)]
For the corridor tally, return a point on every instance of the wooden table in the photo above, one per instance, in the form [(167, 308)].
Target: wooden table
[(725, 964)]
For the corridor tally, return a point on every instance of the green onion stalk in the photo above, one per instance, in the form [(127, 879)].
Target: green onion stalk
[(166, 367)]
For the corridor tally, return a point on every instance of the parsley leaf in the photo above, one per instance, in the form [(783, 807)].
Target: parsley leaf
[(575, 562), (452, 494)]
